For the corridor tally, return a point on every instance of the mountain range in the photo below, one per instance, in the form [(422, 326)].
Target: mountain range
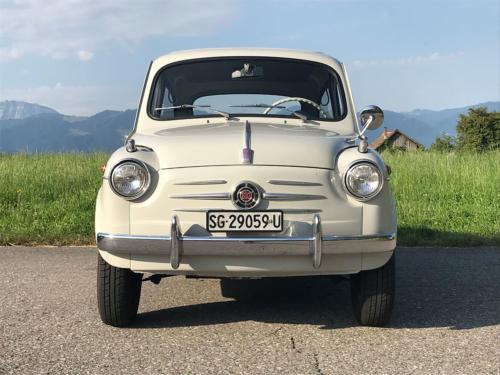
[(32, 128)]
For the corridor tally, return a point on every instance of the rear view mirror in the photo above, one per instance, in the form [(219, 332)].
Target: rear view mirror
[(248, 71), (371, 118)]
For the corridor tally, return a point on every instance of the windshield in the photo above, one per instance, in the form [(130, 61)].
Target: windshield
[(248, 86)]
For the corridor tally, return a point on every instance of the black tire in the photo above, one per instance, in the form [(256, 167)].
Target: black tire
[(118, 294), (372, 294)]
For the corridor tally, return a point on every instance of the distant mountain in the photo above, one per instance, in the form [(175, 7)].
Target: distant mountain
[(51, 132), (32, 128), (14, 110)]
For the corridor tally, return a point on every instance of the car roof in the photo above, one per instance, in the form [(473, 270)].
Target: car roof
[(246, 52)]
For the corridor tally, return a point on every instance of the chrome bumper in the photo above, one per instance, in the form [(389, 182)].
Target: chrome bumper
[(177, 245)]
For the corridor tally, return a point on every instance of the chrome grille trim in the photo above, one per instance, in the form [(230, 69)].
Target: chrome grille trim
[(208, 196), (293, 183), (207, 182), (300, 210), (291, 197), (285, 210), (198, 209)]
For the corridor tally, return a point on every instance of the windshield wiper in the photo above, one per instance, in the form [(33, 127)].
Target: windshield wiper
[(256, 106), (224, 114), (297, 114)]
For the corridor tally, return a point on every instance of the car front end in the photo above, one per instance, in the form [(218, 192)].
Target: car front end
[(241, 192)]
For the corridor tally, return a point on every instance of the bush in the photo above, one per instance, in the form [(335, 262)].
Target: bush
[(479, 130), (445, 143)]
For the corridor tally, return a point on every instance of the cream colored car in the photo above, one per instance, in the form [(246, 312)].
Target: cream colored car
[(246, 163)]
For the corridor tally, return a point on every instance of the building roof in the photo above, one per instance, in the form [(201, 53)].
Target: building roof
[(388, 134)]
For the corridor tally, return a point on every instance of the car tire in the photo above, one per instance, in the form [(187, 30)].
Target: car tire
[(118, 294), (372, 294)]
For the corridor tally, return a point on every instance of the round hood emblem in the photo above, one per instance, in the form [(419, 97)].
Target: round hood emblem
[(246, 195)]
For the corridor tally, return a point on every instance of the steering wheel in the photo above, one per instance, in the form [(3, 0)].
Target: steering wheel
[(295, 99)]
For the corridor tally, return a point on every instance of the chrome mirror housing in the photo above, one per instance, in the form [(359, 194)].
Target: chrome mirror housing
[(371, 118)]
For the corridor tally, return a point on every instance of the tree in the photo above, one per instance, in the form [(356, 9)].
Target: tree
[(479, 130), (445, 143)]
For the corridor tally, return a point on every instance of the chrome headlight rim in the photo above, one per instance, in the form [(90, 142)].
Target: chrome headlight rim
[(144, 188), (359, 197)]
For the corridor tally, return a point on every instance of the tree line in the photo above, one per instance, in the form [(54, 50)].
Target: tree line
[(477, 131)]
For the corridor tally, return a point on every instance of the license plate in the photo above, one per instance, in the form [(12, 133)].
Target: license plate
[(239, 221)]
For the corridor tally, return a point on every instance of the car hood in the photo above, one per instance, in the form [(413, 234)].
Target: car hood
[(223, 144)]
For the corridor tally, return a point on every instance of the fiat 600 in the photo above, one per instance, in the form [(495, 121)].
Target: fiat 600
[(246, 163)]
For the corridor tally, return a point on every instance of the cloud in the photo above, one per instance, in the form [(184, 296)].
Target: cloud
[(63, 28), (412, 60), (77, 100), (84, 55)]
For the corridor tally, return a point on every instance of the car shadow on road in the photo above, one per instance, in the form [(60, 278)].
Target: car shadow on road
[(453, 288), (307, 300)]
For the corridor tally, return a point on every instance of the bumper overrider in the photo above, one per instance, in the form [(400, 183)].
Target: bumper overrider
[(177, 245)]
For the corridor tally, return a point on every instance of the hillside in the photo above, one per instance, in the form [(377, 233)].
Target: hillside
[(50, 132), (33, 128), (15, 110)]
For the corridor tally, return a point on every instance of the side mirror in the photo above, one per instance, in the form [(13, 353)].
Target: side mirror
[(371, 118)]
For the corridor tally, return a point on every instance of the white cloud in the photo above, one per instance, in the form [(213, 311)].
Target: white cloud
[(84, 55), (77, 100), (412, 60), (64, 28)]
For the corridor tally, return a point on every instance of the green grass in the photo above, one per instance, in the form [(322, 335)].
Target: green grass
[(49, 198), (446, 199), (442, 199)]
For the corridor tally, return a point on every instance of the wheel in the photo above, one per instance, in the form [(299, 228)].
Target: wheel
[(372, 294), (118, 293)]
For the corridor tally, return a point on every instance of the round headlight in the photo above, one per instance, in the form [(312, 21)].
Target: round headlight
[(363, 180), (130, 179)]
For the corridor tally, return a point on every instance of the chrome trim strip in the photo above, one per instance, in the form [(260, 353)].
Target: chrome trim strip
[(247, 152), (293, 183), (377, 237), (317, 242), (251, 246), (132, 237), (208, 196), (291, 197), (285, 210), (248, 135), (198, 209), (207, 182), (175, 244), (300, 210)]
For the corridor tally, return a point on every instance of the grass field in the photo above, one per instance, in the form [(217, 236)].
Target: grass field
[(442, 199), (446, 199), (49, 198)]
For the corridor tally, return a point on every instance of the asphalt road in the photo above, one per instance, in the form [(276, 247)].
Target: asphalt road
[(446, 321)]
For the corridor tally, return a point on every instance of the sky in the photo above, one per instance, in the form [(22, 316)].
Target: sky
[(84, 56)]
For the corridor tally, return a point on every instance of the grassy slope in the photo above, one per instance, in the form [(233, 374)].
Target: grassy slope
[(447, 199), (443, 199), (48, 198)]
